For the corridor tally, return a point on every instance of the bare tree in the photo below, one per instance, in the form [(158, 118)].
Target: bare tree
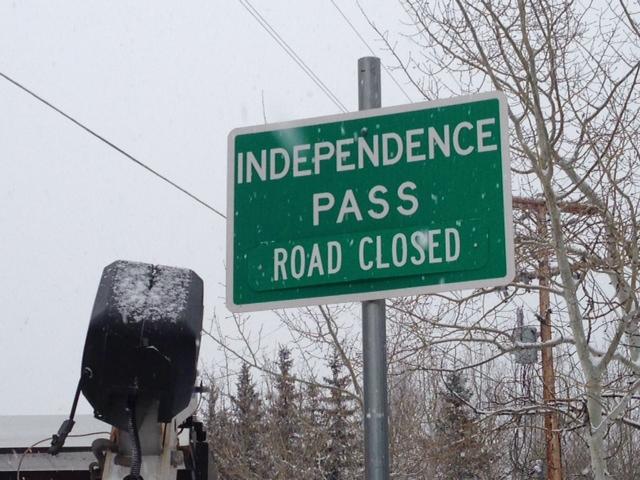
[(570, 72)]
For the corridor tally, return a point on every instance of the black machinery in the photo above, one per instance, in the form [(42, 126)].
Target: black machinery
[(139, 372)]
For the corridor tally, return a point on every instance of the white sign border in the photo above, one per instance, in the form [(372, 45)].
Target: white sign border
[(362, 296)]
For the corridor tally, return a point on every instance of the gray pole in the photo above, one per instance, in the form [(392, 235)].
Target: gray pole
[(374, 335)]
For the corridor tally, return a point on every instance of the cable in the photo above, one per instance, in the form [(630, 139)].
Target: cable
[(366, 44), (24, 454), (289, 51), (112, 145), (28, 449), (136, 451)]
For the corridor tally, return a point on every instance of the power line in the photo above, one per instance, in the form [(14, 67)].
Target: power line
[(291, 52), (366, 44), (112, 145)]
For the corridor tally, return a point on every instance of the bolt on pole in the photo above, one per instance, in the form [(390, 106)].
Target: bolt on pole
[(374, 335)]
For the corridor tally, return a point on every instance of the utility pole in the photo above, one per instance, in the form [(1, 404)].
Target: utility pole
[(538, 208), (551, 425), (551, 430), (374, 337)]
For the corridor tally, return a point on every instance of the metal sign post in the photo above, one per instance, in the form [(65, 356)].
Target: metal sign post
[(374, 328)]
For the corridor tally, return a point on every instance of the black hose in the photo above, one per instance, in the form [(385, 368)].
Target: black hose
[(136, 451)]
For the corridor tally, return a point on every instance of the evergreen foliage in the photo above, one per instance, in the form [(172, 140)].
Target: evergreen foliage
[(285, 420), (459, 447), (313, 436), (237, 433), (341, 459), (247, 416), (306, 432)]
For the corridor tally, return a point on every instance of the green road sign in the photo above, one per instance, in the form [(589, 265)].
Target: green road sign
[(372, 204)]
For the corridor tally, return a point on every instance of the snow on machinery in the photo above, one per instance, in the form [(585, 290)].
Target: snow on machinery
[(139, 370)]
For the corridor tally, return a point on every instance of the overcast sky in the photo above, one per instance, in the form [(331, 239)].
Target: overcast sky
[(166, 81)]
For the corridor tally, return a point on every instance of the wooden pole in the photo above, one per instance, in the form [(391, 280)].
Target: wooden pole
[(551, 430)]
